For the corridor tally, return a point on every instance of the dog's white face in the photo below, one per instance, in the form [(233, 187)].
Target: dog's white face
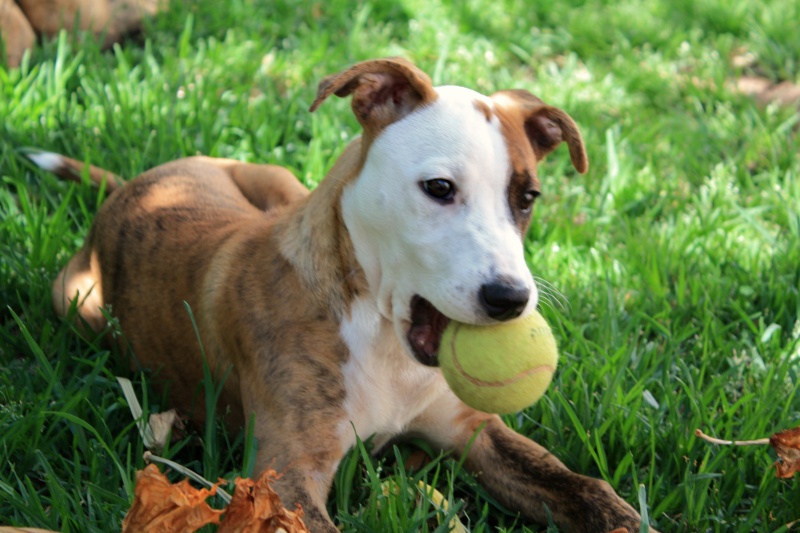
[(437, 219)]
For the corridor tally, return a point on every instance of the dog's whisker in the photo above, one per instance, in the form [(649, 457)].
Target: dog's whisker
[(551, 295), (546, 298), (547, 285)]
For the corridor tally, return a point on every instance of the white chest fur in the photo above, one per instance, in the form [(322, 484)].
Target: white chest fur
[(386, 389)]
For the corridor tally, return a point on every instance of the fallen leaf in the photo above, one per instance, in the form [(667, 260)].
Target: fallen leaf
[(785, 93), (163, 425), (256, 508), (764, 91), (743, 58), (751, 85), (160, 506), (787, 445), (440, 502), (163, 507)]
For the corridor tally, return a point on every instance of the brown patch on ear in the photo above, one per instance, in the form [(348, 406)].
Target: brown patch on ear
[(545, 126), (548, 127), (384, 90)]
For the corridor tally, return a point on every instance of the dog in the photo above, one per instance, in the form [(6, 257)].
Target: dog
[(324, 310)]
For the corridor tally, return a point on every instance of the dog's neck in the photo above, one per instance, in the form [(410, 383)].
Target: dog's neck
[(315, 239)]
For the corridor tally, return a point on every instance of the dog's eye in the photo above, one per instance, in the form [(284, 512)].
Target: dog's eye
[(439, 189), (526, 202)]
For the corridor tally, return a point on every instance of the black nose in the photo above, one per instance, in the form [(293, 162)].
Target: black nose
[(504, 300)]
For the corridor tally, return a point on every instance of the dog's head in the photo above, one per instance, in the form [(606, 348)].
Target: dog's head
[(439, 211)]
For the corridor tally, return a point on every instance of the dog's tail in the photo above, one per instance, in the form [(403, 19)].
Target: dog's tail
[(73, 170)]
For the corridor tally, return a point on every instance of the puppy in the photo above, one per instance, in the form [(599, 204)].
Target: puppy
[(324, 310)]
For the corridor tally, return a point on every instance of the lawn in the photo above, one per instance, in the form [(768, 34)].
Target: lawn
[(671, 270)]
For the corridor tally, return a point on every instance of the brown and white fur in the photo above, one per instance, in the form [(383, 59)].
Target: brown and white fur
[(326, 308)]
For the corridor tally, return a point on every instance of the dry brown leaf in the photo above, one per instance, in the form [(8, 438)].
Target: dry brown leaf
[(765, 91), (785, 93), (256, 508), (163, 425), (751, 85), (159, 506), (787, 445)]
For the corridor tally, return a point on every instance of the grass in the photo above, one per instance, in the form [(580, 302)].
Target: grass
[(672, 268)]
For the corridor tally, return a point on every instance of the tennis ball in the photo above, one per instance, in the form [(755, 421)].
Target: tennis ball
[(500, 368)]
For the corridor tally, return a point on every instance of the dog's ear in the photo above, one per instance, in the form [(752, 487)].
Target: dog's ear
[(546, 126), (384, 90)]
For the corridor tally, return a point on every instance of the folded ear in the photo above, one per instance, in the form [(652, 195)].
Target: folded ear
[(384, 90), (546, 126)]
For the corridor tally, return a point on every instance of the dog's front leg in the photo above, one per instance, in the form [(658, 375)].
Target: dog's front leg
[(298, 485), (524, 476), (305, 466), (301, 445)]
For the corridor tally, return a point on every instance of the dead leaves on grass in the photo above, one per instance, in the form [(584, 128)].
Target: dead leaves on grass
[(755, 82), (160, 506), (785, 443), (256, 508), (765, 91), (163, 507)]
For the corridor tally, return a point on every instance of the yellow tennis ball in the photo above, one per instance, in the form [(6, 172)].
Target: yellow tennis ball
[(500, 368)]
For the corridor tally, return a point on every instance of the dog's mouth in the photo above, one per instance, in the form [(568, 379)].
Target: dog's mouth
[(425, 333)]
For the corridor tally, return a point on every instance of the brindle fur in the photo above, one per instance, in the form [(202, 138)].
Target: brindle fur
[(269, 272)]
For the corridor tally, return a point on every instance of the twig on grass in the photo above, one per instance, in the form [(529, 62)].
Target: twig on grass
[(713, 440), (151, 457)]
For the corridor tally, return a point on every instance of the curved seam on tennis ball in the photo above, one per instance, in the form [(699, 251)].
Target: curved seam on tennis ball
[(475, 381)]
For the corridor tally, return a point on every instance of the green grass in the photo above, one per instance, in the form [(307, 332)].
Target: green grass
[(672, 267)]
